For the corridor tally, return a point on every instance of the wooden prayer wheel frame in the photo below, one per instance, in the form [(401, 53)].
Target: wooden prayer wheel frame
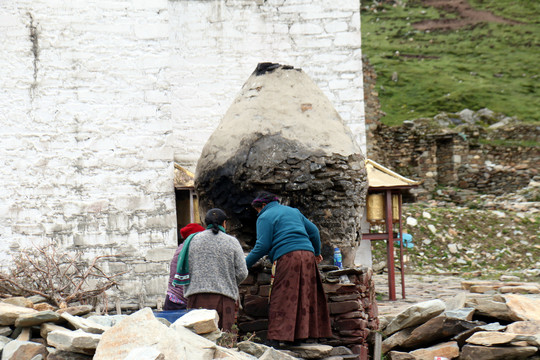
[(384, 206)]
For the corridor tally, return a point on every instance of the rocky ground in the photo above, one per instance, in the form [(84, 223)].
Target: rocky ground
[(475, 251), (465, 234)]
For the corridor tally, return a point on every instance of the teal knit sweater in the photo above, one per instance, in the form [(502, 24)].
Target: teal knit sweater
[(280, 230)]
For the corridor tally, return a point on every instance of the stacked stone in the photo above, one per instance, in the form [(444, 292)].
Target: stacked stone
[(40, 332), (373, 111), (496, 180), (353, 308), (330, 191), (319, 187), (352, 305)]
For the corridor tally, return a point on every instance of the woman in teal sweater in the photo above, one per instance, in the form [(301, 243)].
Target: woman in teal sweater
[(298, 308)]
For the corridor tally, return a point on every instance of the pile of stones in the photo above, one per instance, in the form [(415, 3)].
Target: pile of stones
[(469, 326), (33, 330), (351, 302)]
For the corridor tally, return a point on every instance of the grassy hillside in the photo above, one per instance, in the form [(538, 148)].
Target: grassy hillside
[(424, 72)]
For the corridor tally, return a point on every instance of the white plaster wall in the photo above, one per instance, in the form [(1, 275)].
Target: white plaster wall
[(86, 133), (216, 45), (99, 97)]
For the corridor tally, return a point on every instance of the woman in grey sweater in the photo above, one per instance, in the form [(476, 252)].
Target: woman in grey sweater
[(216, 267)]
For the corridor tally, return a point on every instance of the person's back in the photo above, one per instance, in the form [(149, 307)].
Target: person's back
[(282, 229), (216, 264)]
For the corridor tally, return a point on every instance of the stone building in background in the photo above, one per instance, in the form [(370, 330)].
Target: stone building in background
[(100, 100)]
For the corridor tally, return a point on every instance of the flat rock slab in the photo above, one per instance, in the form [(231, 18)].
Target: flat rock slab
[(252, 348), (77, 310), (86, 325), (106, 320), (9, 313), (202, 321), (415, 315), (145, 353), (75, 341), (490, 338), (496, 309), (474, 352), (523, 289), (44, 307), (38, 318), (448, 350), (46, 328), (311, 351), (55, 354), (19, 301), (525, 308), (273, 354), (524, 327), (17, 350), (176, 342), (397, 355), (5, 331), (462, 314), (3, 341), (435, 330), (396, 339)]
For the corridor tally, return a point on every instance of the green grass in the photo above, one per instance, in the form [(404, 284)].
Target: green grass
[(489, 65), (503, 142)]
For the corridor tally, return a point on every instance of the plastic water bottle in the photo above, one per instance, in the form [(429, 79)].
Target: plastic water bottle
[(337, 258)]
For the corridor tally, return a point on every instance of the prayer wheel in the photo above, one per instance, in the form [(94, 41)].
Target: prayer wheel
[(375, 208), (395, 208)]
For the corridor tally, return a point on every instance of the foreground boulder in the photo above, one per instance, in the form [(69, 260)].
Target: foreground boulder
[(142, 330)]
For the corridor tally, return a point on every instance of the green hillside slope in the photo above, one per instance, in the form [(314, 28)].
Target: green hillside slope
[(461, 60)]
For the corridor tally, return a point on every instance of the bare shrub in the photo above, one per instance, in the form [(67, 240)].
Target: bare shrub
[(60, 278)]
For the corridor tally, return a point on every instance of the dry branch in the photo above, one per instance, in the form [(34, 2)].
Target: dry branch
[(61, 279)]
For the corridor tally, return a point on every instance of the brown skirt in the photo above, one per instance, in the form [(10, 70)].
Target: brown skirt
[(298, 308), (224, 305)]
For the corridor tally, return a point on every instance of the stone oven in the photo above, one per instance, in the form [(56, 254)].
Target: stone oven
[(282, 134)]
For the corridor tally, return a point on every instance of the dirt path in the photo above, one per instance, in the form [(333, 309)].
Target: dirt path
[(418, 288), (467, 16)]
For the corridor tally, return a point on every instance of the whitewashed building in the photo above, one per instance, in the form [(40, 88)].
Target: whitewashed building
[(100, 98)]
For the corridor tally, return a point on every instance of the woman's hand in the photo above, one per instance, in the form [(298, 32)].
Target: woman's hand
[(318, 259)]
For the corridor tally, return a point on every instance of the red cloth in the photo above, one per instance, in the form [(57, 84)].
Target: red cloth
[(190, 229)]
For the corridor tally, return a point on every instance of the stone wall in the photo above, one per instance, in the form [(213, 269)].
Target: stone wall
[(353, 307), (494, 160), (373, 112), (100, 97)]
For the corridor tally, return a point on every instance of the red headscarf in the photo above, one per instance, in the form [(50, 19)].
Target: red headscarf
[(190, 229)]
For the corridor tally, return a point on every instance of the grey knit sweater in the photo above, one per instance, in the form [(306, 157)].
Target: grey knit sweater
[(216, 264)]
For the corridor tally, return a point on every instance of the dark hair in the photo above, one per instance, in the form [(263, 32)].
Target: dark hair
[(215, 217), (263, 197)]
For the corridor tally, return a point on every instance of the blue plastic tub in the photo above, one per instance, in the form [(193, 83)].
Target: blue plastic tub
[(171, 315)]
